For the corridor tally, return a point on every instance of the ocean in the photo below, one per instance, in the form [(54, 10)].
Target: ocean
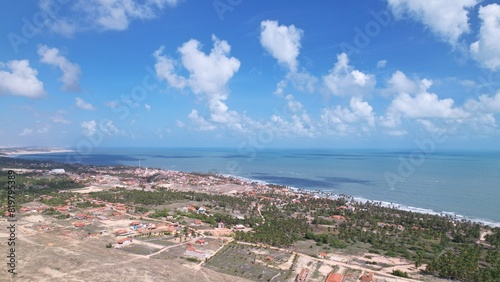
[(463, 184)]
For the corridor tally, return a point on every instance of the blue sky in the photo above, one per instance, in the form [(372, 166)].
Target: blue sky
[(239, 73)]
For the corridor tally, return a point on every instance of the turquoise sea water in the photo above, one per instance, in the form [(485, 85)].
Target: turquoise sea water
[(461, 183)]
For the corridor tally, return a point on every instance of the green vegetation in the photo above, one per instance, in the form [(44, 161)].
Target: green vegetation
[(397, 272), (195, 260), (448, 247)]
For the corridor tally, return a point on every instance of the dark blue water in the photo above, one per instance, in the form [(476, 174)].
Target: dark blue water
[(465, 183)]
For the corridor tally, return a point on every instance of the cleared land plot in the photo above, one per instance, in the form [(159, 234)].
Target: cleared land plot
[(251, 263), (160, 241), (139, 249), (352, 275)]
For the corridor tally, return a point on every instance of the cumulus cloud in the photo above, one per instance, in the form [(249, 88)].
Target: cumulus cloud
[(21, 80), (399, 83), (282, 42), (208, 75), (484, 103), (111, 104), (298, 124), (430, 127), (199, 122), (344, 80), (390, 120), (381, 64), (301, 81), (71, 72), (486, 50), (108, 128), (397, 132), (346, 120), (448, 19), (80, 103), (292, 104), (58, 117), (89, 127), (425, 105), (26, 132), (102, 14), (165, 69)]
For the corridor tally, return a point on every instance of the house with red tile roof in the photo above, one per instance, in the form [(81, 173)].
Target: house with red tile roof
[(201, 242), (125, 240), (78, 224), (121, 232), (191, 251), (334, 277), (322, 255)]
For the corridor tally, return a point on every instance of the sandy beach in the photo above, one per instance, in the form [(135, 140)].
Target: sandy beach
[(15, 151)]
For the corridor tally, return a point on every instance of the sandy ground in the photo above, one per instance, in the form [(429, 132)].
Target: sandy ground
[(28, 151), (48, 257), (88, 189)]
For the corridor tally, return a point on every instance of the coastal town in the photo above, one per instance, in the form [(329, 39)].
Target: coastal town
[(215, 228)]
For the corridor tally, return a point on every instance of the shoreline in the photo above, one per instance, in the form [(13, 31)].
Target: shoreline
[(320, 193), (12, 152)]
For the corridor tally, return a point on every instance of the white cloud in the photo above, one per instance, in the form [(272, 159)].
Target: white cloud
[(399, 83), (71, 71), (487, 49), (430, 127), (492, 104), (282, 42), (102, 14), (296, 125), (200, 123), (448, 19), (346, 120), (147, 107), (107, 127), (179, 123), (80, 103), (344, 80), (484, 103), (381, 64), (397, 132), (292, 104), (425, 105), (89, 127), (26, 132), (165, 69), (21, 80), (390, 120), (58, 117), (40, 131), (111, 104), (208, 75)]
